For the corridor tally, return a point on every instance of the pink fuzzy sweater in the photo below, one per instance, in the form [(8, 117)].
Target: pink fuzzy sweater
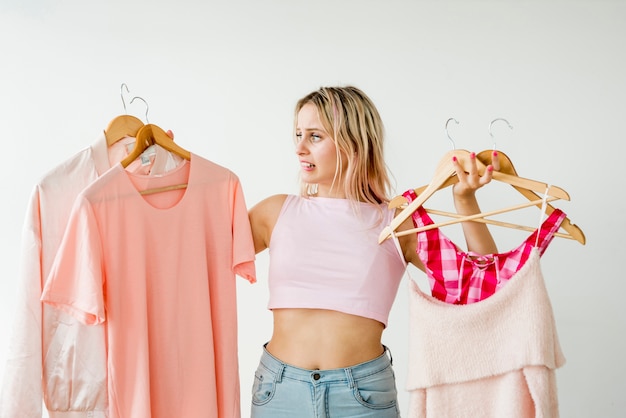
[(493, 358)]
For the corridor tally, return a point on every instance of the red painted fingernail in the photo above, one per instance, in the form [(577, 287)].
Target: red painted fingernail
[(490, 168), (472, 155), (454, 158), (495, 153)]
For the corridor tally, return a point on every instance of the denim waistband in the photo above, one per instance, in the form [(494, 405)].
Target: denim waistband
[(356, 372)]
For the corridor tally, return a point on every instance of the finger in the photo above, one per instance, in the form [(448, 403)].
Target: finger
[(495, 161), (460, 171), (170, 133), (473, 167), (486, 178)]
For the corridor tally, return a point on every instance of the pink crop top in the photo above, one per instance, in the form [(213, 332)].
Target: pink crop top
[(324, 255)]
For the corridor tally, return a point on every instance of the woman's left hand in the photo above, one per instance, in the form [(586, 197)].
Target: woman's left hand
[(471, 180)]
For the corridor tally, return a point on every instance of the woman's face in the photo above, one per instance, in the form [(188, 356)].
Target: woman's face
[(317, 152)]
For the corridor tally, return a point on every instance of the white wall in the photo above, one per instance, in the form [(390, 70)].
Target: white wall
[(225, 76)]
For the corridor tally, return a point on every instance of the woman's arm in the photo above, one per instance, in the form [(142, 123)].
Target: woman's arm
[(263, 217), (477, 235)]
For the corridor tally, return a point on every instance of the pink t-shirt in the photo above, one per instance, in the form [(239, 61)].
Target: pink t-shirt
[(46, 344), (158, 270)]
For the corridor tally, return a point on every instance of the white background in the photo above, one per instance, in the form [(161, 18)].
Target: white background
[(226, 75)]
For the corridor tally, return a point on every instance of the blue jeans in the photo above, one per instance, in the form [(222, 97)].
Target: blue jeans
[(367, 390)]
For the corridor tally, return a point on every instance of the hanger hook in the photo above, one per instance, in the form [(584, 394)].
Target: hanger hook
[(122, 95), (492, 122), (448, 134), (146, 103)]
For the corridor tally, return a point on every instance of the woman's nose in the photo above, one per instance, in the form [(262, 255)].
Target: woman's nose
[(301, 148)]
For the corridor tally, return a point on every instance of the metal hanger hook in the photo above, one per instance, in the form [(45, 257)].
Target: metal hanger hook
[(122, 95), (448, 134), (491, 124), (146, 103)]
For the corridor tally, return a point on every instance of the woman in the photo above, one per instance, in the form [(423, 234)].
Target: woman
[(331, 283)]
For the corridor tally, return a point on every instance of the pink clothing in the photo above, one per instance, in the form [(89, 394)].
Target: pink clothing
[(460, 277), (52, 356), (158, 270), (493, 358), (324, 255)]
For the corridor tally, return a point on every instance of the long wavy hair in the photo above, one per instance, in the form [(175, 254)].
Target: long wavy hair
[(351, 118)]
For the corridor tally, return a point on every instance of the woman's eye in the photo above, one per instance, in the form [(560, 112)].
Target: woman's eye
[(315, 137), (298, 137)]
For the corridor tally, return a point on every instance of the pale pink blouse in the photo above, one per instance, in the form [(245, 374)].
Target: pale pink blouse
[(51, 356)]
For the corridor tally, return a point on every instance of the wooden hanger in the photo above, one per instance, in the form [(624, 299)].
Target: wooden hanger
[(123, 125), (574, 232), (120, 127), (444, 176), (506, 166), (151, 134)]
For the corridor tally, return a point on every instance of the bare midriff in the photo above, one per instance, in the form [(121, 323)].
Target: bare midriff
[(324, 339)]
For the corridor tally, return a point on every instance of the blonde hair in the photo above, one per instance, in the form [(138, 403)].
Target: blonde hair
[(356, 127)]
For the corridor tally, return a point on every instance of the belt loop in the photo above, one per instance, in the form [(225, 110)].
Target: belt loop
[(389, 353), (349, 377), (279, 374)]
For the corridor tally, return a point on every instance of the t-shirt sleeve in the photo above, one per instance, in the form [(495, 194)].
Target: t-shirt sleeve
[(243, 244), (76, 279)]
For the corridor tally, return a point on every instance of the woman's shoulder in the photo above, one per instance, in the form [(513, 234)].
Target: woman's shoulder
[(268, 208), (274, 202)]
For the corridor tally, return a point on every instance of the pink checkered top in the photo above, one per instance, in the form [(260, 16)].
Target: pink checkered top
[(460, 277)]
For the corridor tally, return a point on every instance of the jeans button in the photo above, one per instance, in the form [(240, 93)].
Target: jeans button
[(316, 376)]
